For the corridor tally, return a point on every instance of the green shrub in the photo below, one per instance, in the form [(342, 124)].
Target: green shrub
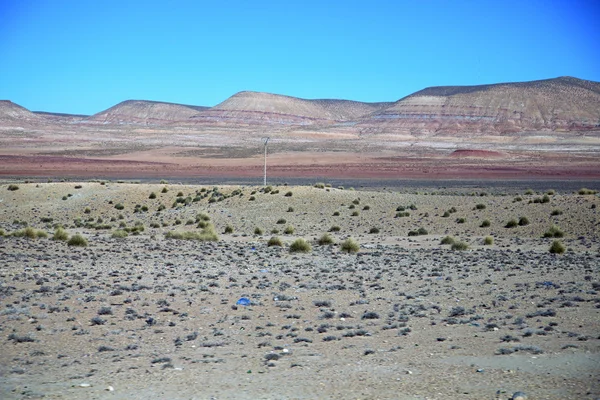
[(289, 194), (281, 221), (554, 231), (119, 206), (152, 195), (208, 234), (356, 201), (258, 231), (179, 194), (77, 240), (582, 191), (119, 234), (355, 213), (251, 198), (41, 234), (336, 213), (557, 247), (228, 229), (320, 185), (480, 206), (556, 212), (274, 241), (460, 220), (60, 234), (529, 191), (374, 230), (523, 221), (289, 230), (488, 241), (164, 190), (335, 228), (2, 232), (202, 217), (422, 231), (366, 208), (13, 187), (448, 240), (290, 209), (402, 214), (325, 239), (460, 246), (350, 246), (512, 223), (300, 246), (485, 223), (445, 214)]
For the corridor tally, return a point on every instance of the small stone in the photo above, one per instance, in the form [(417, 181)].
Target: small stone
[(480, 370), (519, 396), (110, 389), (84, 385)]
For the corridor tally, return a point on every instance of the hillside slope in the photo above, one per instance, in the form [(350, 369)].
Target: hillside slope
[(553, 104)]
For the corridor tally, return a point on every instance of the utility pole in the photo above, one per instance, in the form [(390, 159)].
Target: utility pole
[(265, 140)]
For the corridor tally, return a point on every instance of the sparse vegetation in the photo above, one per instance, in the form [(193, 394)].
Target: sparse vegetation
[(350, 246), (488, 241), (448, 240), (325, 239), (13, 187), (60, 234), (557, 247), (554, 232), (459, 246), (78, 241), (485, 223), (274, 241), (300, 245)]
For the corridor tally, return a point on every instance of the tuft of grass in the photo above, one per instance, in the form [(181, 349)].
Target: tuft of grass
[(119, 206), (556, 212), (60, 234), (448, 240), (355, 213), (335, 228), (325, 239), (77, 240), (289, 194), (557, 247), (13, 187), (480, 206), (488, 241), (300, 245), (228, 229), (523, 221), (152, 195), (374, 230), (512, 223), (485, 223), (554, 232), (119, 234), (350, 246), (582, 191), (459, 246), (281, 221), (258, 231), (208, 234), (290, 209), (274, 241), (289, 230)]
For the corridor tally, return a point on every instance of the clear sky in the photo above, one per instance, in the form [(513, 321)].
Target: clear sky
[(85, 56)]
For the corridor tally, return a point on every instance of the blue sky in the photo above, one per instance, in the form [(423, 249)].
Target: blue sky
[(85, 56)]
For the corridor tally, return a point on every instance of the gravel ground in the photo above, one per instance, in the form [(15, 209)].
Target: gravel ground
[(144, 316)]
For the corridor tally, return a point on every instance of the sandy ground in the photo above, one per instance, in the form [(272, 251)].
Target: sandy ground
[(406, 317)]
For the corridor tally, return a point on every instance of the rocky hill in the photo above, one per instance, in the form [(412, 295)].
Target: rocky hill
[(12, 111), (553, 104), (145, 112)]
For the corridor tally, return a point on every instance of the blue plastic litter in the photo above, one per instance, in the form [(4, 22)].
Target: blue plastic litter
[(243, 301)]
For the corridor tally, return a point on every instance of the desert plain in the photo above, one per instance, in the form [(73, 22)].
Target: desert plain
[(442, 246), (144, 310)]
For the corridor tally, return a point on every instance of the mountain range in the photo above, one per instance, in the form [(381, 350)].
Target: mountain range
[(562, 104)]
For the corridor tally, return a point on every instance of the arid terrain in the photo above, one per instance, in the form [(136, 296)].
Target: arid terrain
[(121, 290), (546, 129)]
